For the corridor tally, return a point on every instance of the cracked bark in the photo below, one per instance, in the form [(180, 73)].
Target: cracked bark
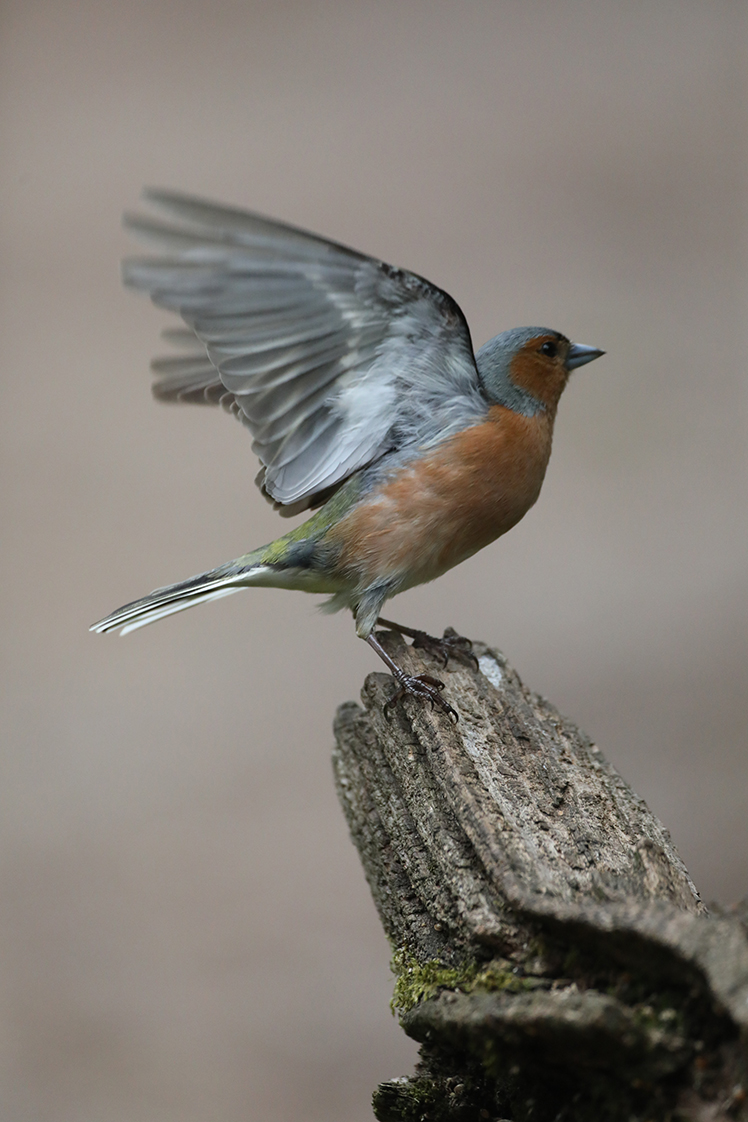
[(554, 958)]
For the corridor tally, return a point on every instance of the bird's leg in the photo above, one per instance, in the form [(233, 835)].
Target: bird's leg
[(417, 685), (451, 645)]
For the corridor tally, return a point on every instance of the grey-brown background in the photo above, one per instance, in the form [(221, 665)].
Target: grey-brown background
[(186, 934)]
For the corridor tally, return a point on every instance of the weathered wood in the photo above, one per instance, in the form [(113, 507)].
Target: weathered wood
[(553, 956)]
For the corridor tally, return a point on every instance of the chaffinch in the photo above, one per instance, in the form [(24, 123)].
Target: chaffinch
[(366, 404)]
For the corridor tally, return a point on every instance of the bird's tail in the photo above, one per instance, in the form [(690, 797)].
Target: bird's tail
[(176, 597)]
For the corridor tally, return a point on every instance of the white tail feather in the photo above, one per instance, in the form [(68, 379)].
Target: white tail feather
[(170, 609), (175, 598)]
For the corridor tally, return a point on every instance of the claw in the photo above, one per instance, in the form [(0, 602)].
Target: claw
[(451, 645), (413, 685), (420, 685)]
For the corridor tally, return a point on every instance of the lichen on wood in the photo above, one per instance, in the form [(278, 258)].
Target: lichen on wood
[(552, 954)]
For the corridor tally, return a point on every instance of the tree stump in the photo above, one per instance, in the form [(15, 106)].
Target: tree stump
[(552, 955)]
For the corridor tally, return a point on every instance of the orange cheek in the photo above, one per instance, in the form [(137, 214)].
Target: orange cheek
[(543, 379)]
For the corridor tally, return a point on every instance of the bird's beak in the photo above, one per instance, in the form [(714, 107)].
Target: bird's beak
[(579, 355)]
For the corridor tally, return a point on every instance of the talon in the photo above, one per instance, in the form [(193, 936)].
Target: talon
[(420, 685), (451, 645), (435, 682), (460, 645), (415, 685), (425, 642)]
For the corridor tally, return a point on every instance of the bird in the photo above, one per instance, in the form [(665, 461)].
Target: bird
[(367, 406)]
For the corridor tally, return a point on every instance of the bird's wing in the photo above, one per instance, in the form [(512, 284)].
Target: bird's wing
[(330, 358)]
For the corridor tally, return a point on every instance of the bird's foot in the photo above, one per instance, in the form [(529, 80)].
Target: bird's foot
[(412, 685), (451, 645), (419, 685)]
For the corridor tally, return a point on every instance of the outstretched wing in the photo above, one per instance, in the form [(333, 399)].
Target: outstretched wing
[(330, 358)]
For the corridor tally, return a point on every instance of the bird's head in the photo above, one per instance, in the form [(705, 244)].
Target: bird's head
[(527, 368)]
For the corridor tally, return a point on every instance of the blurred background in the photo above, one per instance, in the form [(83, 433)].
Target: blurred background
[(185, 931)]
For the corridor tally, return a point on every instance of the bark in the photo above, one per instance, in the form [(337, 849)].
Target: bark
[(552, 954)]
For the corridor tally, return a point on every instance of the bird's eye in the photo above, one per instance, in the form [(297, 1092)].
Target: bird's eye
[(550, 349)]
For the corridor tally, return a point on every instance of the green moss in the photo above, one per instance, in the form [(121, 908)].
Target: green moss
[(419, 981), (500, 975), (416, 981)]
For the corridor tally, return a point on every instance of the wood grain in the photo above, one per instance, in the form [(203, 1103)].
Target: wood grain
[(543, 925)]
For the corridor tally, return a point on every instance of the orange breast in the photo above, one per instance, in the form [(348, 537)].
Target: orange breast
[(447, 505)]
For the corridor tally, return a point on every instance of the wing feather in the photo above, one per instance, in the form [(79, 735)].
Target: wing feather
[(330, 358)]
